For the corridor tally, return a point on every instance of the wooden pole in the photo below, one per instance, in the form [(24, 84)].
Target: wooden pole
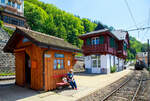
[(148, 53)]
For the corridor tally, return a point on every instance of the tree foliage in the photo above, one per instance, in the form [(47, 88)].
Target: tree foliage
[(51, 20)]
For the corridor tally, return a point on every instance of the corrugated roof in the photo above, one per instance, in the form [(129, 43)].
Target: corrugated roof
[(142, 54), (121, 35)]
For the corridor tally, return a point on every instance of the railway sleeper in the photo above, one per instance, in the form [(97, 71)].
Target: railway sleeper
[(117, 98)]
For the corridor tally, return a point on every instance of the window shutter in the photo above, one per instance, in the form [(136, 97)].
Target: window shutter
[(112, 42), (101, 40), (125, 46), (88, 41)]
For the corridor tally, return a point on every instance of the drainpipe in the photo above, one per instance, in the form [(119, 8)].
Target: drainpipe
[(44, 67)]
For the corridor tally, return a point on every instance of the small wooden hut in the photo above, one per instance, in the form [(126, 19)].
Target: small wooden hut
[(39, 58)]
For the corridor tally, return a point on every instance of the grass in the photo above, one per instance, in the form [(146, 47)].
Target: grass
[(113, 69), (148, 68), (79, 54), (7, 74)]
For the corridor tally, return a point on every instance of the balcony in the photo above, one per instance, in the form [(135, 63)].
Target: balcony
[(100, 48), (122, 53)]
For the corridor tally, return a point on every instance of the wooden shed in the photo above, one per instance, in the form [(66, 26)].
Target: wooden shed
[(39, 58)]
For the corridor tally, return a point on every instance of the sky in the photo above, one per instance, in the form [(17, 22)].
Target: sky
[(112, 13)]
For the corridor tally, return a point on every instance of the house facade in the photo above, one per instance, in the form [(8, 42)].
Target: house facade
[(104, 49), (12, 13)]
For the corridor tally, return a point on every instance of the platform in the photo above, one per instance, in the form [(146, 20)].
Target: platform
[(87, 84)]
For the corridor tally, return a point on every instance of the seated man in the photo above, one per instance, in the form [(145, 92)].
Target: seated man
[(71, 80)]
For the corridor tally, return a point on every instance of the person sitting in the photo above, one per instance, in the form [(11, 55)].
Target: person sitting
[(71, 79)]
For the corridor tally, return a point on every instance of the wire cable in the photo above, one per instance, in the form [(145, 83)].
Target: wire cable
[(130, 12)]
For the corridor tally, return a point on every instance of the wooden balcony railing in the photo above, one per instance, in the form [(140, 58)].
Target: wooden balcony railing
[(122, 53), (100, 48)]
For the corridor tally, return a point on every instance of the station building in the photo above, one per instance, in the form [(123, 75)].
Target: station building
[(40, 59), (104, 49)]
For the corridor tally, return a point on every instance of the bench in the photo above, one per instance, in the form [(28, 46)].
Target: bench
[(63, 83)]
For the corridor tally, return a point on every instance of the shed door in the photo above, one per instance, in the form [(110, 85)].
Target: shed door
[(20, 68)]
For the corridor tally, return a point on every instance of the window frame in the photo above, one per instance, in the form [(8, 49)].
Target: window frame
[(18, 6), (96, 58), (95, 41), (56, 62), (3, 1), (9, 3), (13, 4)]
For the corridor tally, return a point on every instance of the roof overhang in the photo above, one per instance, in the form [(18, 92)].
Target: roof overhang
[(10, 46)]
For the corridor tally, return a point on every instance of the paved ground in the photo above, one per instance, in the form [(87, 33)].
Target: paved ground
[(87, 84)]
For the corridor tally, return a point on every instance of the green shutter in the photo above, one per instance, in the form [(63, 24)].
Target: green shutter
[(125, 46), (112, 42), (101, 40), (88, 41)]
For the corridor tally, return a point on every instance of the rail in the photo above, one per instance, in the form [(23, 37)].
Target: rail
[(109, 95), (117, 89), (137, 90)]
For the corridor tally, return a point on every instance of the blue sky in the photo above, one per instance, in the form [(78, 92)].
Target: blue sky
[(111, 12)]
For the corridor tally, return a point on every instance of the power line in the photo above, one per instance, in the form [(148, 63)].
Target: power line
[(131, 13), (148, 17), (138, 29)]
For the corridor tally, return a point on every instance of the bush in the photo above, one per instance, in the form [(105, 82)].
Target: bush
[(1, 23), (148, 68), (7, 74), (113, 69), (8, 30)]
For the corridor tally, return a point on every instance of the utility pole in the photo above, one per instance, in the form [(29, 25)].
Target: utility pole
[(148, 54)]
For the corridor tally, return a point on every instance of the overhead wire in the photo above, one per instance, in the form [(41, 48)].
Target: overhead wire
[(130, 12)]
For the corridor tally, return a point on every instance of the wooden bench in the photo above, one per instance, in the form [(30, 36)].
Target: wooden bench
[(63, 83)]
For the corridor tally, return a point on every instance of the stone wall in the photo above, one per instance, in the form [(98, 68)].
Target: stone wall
[(7, 60)]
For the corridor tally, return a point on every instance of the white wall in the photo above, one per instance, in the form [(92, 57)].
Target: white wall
[(87, 61), (105, 62)]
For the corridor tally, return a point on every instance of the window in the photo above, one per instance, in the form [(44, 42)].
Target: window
[(13, 4), (125, 46), (96, 61), (6, 19), (14, 21), (2, 1), (25, 40), (59, 61), (95, 41), (18, 6), (59, 64), (9, 2)]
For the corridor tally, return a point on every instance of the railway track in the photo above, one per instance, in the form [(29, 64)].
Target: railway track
[(128, 90)]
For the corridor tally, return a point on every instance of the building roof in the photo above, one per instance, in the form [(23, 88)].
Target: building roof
[(120, 34), (40, 39), (142, 54), (95, 32)]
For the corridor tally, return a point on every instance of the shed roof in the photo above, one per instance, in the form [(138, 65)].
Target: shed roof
[(40, 39)]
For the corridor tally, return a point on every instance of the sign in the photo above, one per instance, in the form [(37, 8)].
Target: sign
[(47, 55), (59, 55), (68, 62)]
